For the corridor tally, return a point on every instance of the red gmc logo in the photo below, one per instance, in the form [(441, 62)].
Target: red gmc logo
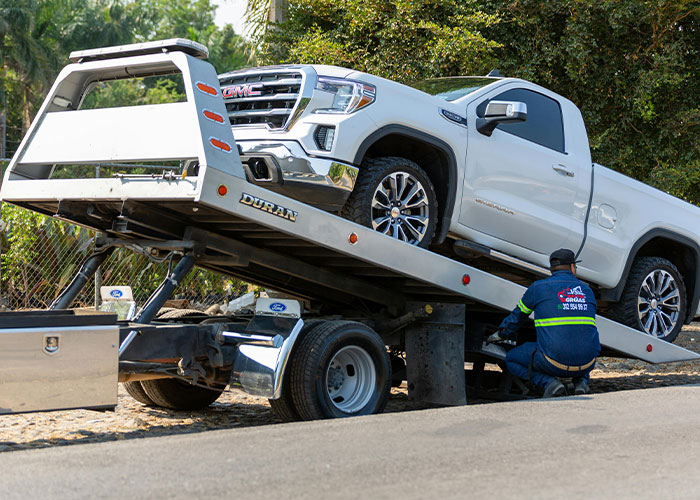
[(245, 90)]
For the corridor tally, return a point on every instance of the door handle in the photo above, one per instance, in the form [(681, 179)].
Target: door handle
[(561, 169)]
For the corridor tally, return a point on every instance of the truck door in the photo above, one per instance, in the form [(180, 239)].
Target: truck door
[(520, 185)]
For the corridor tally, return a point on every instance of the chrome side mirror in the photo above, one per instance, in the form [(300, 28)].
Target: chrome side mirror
[(501, 112)]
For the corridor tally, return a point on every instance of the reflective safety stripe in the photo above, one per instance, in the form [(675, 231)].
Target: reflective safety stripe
[(524, 308), (572, 320)]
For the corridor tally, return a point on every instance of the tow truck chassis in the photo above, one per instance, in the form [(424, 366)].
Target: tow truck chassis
[(358, 291)]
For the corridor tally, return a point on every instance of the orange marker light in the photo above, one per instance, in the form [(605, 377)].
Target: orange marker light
[(218, 144), (352, 238), (215, 117), (222, 190), (466, 279), (207, 89)]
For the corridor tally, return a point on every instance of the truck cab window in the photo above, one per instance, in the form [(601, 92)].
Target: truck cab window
[(544, 124)]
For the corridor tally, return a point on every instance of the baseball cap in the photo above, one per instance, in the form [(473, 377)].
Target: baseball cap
[(562, 257)]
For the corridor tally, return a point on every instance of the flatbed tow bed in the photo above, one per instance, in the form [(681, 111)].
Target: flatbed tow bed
[(209, 215)]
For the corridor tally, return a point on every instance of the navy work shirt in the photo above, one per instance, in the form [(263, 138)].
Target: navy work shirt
[(564, 318)]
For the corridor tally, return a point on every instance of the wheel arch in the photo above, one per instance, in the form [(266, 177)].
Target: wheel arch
[(390, 140), (682, 251)]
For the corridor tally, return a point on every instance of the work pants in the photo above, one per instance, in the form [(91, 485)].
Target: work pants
[(542, 371)]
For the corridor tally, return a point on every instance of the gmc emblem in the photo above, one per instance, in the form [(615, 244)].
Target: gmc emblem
[(245, 90)]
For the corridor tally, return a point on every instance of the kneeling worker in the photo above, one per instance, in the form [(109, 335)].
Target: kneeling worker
[(567, 338)]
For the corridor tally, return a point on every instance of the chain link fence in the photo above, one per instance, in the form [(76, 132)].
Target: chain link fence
[(41, 255)]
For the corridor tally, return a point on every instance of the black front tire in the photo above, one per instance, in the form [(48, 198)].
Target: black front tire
[(654, 299), (341, 369), (404, 208)]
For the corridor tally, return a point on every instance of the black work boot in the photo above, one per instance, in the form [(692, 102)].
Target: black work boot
[(554, 389), (581, 387)]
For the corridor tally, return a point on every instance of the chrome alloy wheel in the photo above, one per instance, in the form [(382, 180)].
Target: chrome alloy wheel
[(400, 208), (351, 379), (659, 303)]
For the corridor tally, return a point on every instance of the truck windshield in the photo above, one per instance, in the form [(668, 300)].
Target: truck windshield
[(452, 88)]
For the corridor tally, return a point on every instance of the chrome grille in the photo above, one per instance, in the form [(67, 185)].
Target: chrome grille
[(261, 98)]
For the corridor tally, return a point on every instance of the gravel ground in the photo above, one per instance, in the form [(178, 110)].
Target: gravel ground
[(133, 420)]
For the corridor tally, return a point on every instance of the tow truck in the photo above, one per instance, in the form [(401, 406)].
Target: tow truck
[(360, 311)]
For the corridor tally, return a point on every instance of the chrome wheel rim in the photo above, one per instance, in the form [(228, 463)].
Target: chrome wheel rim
[(659, 303), (400, 208), (351, 379)]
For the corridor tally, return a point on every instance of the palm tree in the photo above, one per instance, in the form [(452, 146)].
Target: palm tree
[(23, 59)]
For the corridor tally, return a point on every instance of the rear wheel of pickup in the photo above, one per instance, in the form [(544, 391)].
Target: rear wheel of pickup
[(179, 395), (341, 369), (394, 196), (654, 298)]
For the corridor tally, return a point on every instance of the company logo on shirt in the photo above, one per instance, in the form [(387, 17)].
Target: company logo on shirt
[(572, 299), (572, 295)]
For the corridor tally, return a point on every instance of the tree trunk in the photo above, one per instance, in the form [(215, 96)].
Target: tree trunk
[(27, 107), (278, 10)]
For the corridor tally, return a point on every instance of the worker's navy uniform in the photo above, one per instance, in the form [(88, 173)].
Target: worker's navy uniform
[(567, 338)]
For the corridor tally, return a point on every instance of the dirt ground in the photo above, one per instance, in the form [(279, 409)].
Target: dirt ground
[(133, 420)]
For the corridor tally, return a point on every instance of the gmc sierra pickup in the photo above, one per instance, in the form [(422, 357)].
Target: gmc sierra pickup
[(499, 162)]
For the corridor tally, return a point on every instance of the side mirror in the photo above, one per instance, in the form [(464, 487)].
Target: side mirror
[(501, 112)]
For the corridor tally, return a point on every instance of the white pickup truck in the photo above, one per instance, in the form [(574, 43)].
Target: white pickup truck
[(500, 163)]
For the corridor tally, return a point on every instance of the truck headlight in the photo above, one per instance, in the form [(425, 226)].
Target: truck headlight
[(348, 96)]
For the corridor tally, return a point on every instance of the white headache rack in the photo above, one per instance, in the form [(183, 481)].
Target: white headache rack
[(247, 231)]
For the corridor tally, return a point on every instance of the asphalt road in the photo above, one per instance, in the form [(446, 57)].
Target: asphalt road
[(629, 444)]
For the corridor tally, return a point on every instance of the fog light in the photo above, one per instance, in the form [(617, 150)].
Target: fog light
[(324, 137)]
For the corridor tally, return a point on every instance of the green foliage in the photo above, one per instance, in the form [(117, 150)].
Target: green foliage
[(40, 256), (134, 92), (402, 39)]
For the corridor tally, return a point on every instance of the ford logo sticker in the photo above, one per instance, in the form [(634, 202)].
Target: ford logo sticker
[(116, 293), (277, 307)]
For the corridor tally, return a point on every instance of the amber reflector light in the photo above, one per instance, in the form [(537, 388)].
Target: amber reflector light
[(214, 116), (220, 144), (207, 89)]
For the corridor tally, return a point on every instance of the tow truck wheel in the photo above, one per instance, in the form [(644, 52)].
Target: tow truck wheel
[(284, 407), (654, 299), (341, 369), (135, 390), (179, 395), (394, 196)]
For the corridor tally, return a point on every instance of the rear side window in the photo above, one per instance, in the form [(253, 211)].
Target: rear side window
[(544, 124)]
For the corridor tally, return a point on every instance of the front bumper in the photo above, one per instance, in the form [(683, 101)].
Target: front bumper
[(284, 167)]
